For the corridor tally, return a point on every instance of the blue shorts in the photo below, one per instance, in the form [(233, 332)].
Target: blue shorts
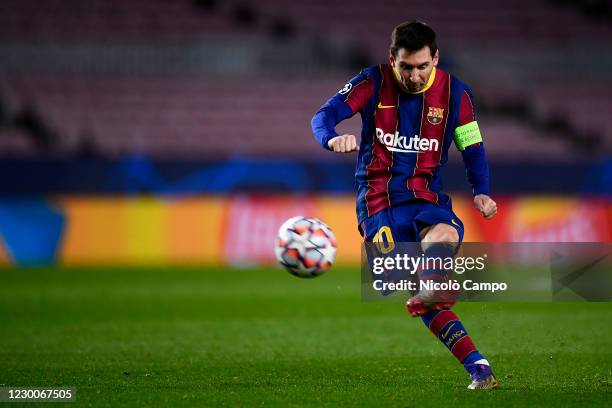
[(406, 221)]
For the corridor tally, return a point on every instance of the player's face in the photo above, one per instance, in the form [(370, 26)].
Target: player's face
[(414, 68)]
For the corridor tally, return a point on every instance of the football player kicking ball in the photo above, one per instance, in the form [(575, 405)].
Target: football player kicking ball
[(411, 113)]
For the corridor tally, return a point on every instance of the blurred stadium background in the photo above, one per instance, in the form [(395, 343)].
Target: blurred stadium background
[(178, 132), (149, 150)]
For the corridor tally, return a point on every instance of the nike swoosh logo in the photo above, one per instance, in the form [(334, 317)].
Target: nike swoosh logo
[(449, 329), (380, 106)]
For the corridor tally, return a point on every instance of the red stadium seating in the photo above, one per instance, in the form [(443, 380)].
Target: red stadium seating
[(211, 117), (200, 115)]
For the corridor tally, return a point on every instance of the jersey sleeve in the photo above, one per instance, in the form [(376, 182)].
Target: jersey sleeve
[(469, 142), (467, 132), (349, 100)]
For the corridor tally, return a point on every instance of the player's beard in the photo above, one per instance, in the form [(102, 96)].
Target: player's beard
[(413, 87)]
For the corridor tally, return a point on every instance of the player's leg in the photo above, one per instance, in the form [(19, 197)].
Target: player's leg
[(442, 240), (448, 328)]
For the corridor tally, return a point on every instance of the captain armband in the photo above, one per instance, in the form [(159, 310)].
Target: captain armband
[(467, 135)]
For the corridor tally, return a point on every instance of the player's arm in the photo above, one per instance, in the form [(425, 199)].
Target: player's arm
[(352, 98), (469, 142)]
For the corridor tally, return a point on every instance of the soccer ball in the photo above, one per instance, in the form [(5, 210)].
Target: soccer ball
[(306, 247)]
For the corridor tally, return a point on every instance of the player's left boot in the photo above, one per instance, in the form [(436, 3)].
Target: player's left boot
[(482, 377)]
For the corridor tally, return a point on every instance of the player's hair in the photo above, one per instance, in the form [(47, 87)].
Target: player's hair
[(413, 35)]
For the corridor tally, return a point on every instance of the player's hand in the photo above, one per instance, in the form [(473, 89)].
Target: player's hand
[(343, 144), (486, 206)]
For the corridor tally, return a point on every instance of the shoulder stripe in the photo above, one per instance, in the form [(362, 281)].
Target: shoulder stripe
[(359, 96)]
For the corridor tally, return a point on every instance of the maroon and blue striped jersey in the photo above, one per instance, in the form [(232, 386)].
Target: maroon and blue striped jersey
[(405, 137)]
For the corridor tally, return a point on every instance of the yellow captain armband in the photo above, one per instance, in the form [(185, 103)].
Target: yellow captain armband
[(467, 135)]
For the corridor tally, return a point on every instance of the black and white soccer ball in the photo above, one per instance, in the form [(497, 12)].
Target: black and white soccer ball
[(306, 247)]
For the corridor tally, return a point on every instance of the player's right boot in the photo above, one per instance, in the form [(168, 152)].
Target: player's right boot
[(427, 300), (432, 299), (482, 377)]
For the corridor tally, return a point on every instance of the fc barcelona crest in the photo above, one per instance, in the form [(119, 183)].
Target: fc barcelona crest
[(435, 115)]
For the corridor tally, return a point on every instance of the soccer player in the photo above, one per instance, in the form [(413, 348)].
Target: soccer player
[(411, 113)]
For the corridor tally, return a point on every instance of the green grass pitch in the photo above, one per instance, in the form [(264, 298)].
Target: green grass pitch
[(261, 337)]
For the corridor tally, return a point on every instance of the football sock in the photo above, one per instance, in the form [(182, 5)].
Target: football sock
[(445, 324), (447, 327), (435, 269), (439, 251)]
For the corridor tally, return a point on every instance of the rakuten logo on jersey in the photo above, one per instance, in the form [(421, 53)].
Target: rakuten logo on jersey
[(397, 143)]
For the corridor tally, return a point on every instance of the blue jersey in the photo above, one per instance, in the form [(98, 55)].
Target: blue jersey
[(405, 137)]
